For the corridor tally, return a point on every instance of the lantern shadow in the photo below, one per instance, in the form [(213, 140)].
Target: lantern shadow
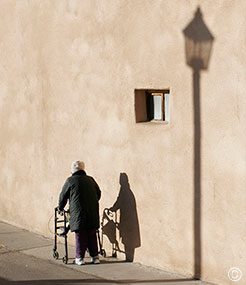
[(198, 43), (198, 46)]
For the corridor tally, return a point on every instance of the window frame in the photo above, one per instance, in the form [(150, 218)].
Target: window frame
[(144, 105)]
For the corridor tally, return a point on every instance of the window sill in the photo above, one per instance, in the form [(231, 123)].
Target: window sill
[(154, 122)]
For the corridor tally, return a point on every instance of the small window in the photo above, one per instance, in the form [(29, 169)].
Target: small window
[(151, 105)]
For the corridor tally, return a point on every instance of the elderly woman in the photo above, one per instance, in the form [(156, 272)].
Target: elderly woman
[(83, 194)]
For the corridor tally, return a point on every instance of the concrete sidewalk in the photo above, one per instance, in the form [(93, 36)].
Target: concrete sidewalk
[(27, 258)]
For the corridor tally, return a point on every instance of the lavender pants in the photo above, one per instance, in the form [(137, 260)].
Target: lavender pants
[(86, 239)]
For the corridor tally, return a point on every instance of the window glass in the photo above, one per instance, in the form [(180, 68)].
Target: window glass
[(158, 107), (167, 115)]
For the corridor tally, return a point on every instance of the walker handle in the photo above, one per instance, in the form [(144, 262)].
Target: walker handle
[(60, 212), (109, 212)]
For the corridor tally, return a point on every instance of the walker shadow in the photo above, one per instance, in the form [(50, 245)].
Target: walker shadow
[(3, 281), (198, 49), (128, 225)]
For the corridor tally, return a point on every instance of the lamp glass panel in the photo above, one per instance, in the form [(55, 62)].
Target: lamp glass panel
[(197, 53), (206, 51)]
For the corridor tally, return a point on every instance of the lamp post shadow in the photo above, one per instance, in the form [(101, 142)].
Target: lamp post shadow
[(197, 174), (198, 45)]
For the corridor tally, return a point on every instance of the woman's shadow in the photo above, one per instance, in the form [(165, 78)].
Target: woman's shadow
[(128, 225)]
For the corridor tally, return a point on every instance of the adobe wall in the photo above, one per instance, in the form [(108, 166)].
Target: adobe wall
[(67, 78)]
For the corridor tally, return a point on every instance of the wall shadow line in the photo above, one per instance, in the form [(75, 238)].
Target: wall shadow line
[(99, 281)]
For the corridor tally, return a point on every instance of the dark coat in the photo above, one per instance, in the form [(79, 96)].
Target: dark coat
[(83, 194)]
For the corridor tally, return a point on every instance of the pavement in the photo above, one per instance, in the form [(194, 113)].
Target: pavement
[(27, 258)]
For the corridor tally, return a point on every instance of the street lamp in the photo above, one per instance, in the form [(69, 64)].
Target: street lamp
[(198, 46), (198, 42)]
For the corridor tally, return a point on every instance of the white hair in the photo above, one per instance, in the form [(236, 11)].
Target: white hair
[(77, 165)]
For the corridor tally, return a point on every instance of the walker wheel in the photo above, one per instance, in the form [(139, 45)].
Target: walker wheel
[(64, 260), (55, 254), (104, 253)]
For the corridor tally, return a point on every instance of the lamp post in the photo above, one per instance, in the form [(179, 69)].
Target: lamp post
[(198, 45)]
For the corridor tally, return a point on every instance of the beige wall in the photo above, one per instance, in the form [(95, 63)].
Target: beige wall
[(67, 78)]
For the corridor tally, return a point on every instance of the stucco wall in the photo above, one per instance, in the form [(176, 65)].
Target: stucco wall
[(67, 78)]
